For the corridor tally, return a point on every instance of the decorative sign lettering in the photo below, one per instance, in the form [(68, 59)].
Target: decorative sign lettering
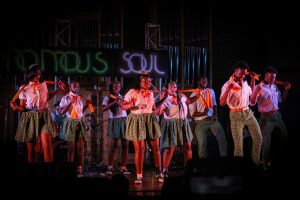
[(99, 62), (60, 61), (135, 62)]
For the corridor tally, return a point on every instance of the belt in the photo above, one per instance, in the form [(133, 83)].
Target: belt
[(270, 112), (34, 109), (239, 109), (207, 119)]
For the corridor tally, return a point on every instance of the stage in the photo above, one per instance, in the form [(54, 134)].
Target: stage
[(150, 186), (202, 178)]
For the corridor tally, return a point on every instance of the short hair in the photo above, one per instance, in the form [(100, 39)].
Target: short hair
[(270, 69), (140, 76), (241, 64), (111, 86), (202, 76), (144, 75), (172, 83), (31, 73), (73, 81)]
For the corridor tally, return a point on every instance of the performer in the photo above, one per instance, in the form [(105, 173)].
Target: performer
[(268, 96), (73, 130), (142, 124), (57, 118), (35, 126), (204, 112), (117, 125), (236, 94), (176, 130)]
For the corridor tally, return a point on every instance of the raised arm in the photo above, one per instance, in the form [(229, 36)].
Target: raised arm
[(117, 101), (287, 87), (193, 99), (21, 107), (255, 95), (63, 110), (224, 93), (52, 94)]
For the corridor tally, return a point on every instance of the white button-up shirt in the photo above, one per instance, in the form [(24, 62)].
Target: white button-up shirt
[(238, 97), (172, 110), (138, 98), (36, 95), (76, 106), (120, 113), (197, 106), (269, 98)]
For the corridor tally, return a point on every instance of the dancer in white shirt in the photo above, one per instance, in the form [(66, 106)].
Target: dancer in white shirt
[(268, 96), (35, 127), (236, 94)]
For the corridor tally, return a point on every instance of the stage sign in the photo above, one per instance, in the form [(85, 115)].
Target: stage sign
[(99, 62), (135, 62)]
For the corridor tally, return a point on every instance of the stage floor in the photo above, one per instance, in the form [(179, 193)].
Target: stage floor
[(150, 187)]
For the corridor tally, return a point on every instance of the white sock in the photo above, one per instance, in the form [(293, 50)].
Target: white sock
[(139, 176)]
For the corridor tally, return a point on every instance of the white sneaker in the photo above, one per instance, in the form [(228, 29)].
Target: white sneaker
[(159, 175), (138, 181), (109, 170), (139, 178), (125, 171), (79, 175), (161, 180)]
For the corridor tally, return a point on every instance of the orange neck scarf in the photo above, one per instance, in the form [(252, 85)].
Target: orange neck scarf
[(74, 113), (232, 79), (145, 93), (174, 100), (207, 102)]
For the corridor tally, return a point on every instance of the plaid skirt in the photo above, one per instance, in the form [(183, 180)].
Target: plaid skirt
[(72, 129), (175, 132), (142, 126), (117, 127), (32, 124)]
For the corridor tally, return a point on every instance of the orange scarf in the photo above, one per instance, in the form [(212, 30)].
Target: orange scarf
[(74, 113), (174, 100), (36, 86), (207, 102), (146, 93), (233, 81)]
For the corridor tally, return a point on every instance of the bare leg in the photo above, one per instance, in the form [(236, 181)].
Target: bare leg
[(71, 151), (80, 155), (47, 148), (30, 153), (156, 153), (124, 144), (167, 157), (187, 150), (112, 156), (139, 147)]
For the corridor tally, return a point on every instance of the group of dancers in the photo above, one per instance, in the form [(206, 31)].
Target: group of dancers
[(142, 123)]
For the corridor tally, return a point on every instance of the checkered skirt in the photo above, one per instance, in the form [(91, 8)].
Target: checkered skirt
[(142, 126), (175, 132), (32, 124)]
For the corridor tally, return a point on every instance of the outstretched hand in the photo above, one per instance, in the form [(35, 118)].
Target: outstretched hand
[(13, 105), (119, 102), (287, 85)]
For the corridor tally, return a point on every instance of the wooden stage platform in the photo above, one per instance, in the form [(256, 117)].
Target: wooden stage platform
[(150, 187)]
